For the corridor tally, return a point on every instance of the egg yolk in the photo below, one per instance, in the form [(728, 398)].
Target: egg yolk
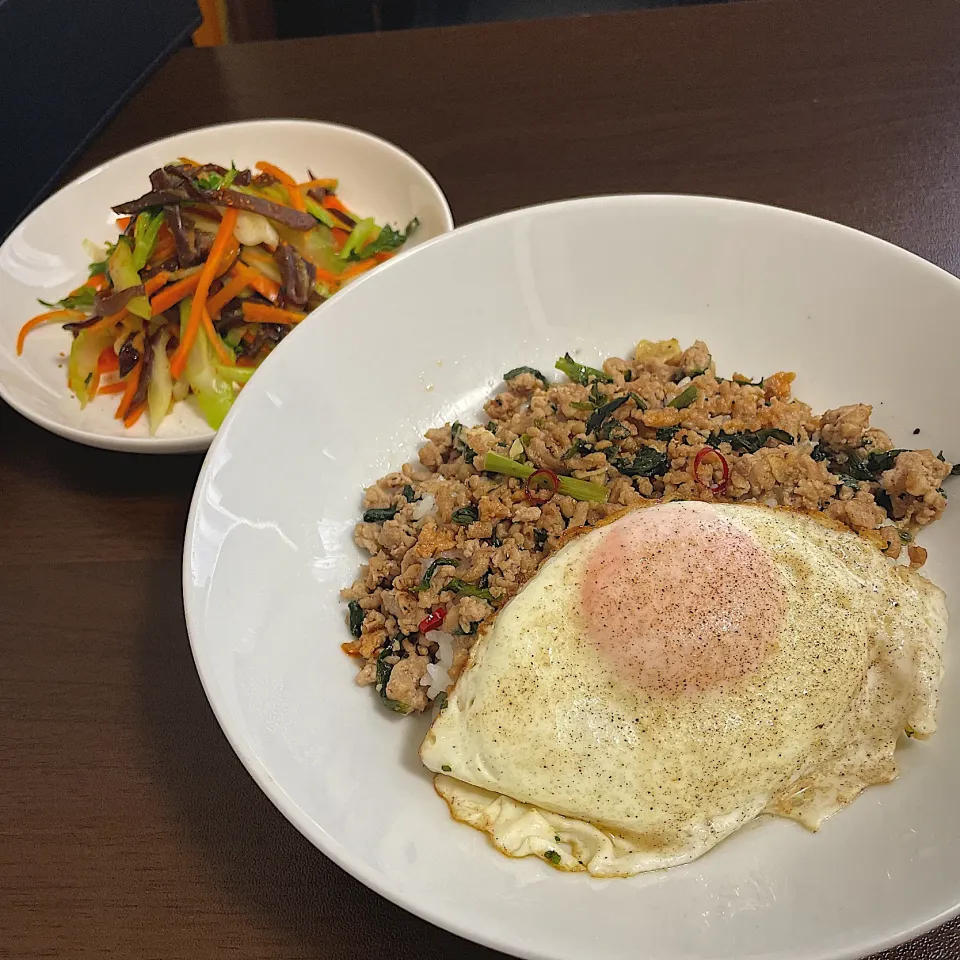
[(679, 599)]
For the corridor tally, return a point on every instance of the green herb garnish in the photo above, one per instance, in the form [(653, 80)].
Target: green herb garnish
[(569, 486), (579, 373), (666, 433), (432, 569), (461, 445), (81, 300), (601, 413), (463, 589), (638, 400), (408, 493), (384, 669), (552, 856), (579, 448), (217, 181), (466, 515), (582, 405), (387, 241), (356, 617), (648, 462), (750, 441), (539, 537), (516, 371), (445, 767), (379, 514)]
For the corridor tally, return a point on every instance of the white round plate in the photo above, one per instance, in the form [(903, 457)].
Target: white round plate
[(44, 257), (427, 339)]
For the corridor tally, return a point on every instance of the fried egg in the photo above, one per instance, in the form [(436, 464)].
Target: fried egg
[(668, 677)]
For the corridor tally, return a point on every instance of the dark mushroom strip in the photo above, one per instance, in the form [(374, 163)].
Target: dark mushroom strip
[(128, 357), (115, 302), (344, 218), (152, 270), (146, 371), (182, 237), (298, 274), (294, 219), (79, 325), (155, 198)]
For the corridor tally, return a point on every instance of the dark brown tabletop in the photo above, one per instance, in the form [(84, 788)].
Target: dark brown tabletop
[(128, 828)]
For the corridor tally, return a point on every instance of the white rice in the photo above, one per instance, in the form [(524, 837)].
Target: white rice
[(437, 677), (426, 507)]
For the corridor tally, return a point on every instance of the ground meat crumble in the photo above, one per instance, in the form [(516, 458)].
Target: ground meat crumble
[(442, 533)]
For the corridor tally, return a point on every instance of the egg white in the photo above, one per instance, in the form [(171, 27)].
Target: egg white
[(550, 750)]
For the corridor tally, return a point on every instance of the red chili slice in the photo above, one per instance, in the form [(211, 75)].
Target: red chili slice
[(542, 485), (718, 488), (434, 621)]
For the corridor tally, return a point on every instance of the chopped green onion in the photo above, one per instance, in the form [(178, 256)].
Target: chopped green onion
[(569, 486), (580, 373)]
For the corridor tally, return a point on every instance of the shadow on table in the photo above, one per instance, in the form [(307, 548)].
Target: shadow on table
[(260, 858)]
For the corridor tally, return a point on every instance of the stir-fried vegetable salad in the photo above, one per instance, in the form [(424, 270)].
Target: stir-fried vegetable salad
[(212, 269)]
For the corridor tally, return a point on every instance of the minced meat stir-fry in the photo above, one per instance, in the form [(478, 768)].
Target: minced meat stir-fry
[(453, 537)]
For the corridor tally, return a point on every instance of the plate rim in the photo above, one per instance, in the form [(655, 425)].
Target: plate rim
[(312, 831), (199, 442)]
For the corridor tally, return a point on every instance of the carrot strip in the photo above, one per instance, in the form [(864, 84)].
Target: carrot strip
[(94, 388), (227, 292), (170, 296), (221, 351), (339, 237), (293, 190), (104, 322), (123, 222), (275, 172), (166, 247), (99, 281), (157, 281), (260, 282), (383, 257), (333, 203), (108, 361), (41, 320), (117, 387), (131, 418), (261, 313), (355, 269), (327, 277), (325, 183), (132, 381), (219, 248)]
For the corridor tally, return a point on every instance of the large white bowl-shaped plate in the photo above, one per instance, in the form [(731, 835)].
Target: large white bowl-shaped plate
[(44, 257), (269, 544)]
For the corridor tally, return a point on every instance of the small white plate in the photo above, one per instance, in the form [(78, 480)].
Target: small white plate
[(427, 339), (44, 257)]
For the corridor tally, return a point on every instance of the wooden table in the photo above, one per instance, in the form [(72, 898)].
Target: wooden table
[(128, 829)]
